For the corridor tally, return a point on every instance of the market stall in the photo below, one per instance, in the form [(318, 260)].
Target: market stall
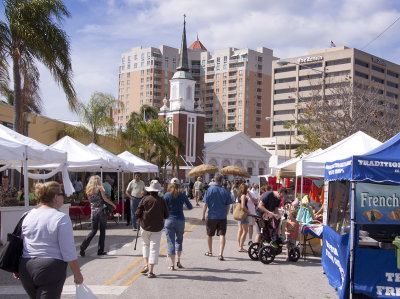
[(363, 220)]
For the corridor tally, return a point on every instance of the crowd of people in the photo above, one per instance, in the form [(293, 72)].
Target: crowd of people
[(48, 237)]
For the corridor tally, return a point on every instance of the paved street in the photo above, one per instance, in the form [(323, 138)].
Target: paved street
[(117, 274)]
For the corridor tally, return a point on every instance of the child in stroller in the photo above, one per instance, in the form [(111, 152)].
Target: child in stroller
[(270, 244)]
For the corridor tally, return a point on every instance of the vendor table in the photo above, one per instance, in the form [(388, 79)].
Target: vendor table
[(78, 213), (309, 232)]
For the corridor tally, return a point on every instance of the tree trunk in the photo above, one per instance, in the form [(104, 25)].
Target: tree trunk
[(17, 95)]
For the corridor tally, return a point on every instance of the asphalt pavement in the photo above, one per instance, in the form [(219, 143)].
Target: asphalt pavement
[(117, 275)]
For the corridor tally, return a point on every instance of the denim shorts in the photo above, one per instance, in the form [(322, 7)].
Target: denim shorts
[(244, 221)]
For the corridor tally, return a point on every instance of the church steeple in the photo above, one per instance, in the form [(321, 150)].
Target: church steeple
[(183, 60)]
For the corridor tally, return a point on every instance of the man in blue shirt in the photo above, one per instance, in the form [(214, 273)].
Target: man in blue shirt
[(217, 200)]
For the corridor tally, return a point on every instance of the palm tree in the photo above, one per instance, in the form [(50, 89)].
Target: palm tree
[(96, 116), (33, 32)]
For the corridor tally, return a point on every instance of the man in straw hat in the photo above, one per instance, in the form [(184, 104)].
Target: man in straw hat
[(151, 212)]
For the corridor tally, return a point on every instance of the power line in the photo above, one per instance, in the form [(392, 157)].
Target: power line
[(380, 34)]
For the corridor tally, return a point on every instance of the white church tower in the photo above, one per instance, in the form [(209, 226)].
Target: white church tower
[(185, 122)]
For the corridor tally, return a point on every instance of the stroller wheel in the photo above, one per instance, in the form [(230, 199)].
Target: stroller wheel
[(294, 254), (253, 251), (266, 254)]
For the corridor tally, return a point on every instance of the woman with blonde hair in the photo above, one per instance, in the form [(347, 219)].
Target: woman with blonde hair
[(243, 225), (48, 245), (175, 224), (97, 197)]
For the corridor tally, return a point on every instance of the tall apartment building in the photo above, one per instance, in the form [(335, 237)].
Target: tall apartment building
[(232, 86), (294, 81)]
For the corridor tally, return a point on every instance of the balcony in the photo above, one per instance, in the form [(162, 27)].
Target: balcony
[(231, 114), (208, 123), (232, 77), (209, 94), (208, 101), (231, 106), (232, 99), (208, 109), (232, 91), (231, 121), (209, 80), (210, 72), (232, 85)]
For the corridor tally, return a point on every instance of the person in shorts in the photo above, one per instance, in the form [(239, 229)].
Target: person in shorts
[(198, 189), (292, 232), (217, 201)]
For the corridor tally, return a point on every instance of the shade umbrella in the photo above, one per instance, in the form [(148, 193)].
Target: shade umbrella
[(235, 171), (202, 170)]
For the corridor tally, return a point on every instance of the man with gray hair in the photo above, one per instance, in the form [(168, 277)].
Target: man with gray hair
[(217, 200)]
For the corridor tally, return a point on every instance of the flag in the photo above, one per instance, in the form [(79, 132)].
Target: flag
[(332, 44), (145, 118)]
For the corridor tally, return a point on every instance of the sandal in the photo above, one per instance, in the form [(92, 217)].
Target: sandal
[(171, 268), (151, 275), (145, 270), (208, 253), (179, 265), (242, 250), (221, 258)]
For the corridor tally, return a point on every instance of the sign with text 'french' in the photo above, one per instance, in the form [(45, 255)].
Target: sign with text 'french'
[(378, 204)]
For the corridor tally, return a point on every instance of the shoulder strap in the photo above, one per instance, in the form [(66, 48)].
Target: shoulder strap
[(18, 227)]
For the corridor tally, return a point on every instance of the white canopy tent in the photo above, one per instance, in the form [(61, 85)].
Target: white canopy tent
[(140, 164), (17, 150), (357, 144), (121, 164), (80, 157)]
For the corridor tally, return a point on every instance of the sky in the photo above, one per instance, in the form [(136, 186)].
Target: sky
[(101, 30)]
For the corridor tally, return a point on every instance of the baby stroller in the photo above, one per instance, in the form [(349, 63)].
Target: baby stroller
[(270, 244)]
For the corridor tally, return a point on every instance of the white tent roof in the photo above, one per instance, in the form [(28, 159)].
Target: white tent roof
[(14, 147), (357, 144), (121, 164), (140, 164), (288, 168), (80, 157)]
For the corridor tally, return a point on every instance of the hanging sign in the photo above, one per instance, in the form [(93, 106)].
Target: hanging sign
[(378, 204)]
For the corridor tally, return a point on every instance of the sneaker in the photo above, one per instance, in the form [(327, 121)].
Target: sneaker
[(101, 253)]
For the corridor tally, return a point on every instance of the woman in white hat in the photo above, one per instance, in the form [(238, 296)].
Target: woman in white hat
[(151, 212), (175, 224)]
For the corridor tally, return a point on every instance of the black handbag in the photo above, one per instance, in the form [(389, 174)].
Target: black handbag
[(11, 253)]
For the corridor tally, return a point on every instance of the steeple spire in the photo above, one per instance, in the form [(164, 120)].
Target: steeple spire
[(183, 60)]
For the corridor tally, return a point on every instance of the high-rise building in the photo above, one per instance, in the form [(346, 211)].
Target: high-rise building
[(233, 86), (295, 77)]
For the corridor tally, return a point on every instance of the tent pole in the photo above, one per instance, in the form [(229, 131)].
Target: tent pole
[(123, 195), (101, 174), (26, 183), (352, 228)]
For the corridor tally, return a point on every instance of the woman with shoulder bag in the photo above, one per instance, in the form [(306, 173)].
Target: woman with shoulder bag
[(243, 225), (97, 197), (48, 246)]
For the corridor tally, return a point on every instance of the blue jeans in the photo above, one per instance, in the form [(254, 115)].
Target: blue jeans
[(134, 204), (174, 230), (100, 219)]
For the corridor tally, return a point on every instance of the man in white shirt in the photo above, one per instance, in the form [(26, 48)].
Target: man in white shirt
[(135, 191)]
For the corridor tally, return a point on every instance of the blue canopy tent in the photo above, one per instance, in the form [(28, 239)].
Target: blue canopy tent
[(363, 219)]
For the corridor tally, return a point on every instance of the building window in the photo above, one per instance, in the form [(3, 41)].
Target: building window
[(339, 61), (390, 73), (362, 75), (392, 95), (250, 170), (285, 90), (379, 80), (362, 63), (283, 112), (285, 69), (309, 66), (378, 69), (284, 80), (392, 84)]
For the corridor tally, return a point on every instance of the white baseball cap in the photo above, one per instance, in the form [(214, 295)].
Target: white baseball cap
[(175, 181)]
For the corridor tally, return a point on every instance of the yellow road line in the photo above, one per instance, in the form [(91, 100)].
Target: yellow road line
[(134, 264), (138, 274)]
